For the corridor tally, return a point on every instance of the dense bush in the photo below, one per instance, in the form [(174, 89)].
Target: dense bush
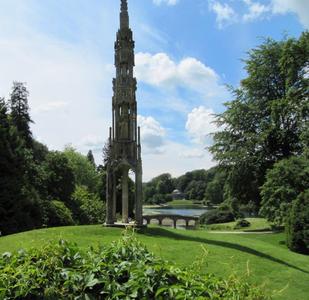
[(242, 223), (217, 216), (284, 182), (90, 209), (124, 270), (56, 214), (297, 226)]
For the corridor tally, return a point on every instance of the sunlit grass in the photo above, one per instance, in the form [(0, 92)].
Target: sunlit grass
[(265, 258)]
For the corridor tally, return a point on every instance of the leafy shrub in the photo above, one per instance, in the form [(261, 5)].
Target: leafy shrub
[(284, 182), (217, 216), (123, 270), (56, 214), (242, 224), (89, 208), (297, 226)]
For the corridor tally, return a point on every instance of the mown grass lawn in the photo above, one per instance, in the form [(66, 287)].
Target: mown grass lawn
[(256, 224), (262, 259)]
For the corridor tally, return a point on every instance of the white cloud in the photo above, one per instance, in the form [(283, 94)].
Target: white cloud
[(193, 153), (176, 160), (161, 71), (200, 124), (256, 10), (225, 14), (49, 106), (299, 7), (152, 134), (168, 2)]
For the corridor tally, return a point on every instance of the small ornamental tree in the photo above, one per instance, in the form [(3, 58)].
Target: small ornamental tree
[(297, 227)]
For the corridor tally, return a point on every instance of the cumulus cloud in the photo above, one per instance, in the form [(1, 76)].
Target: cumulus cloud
[(161, 71), (299, 7), (176, 159), (256, 10), (152, 134), (193, 153), (200, 124), (168, 2), (225, 14)]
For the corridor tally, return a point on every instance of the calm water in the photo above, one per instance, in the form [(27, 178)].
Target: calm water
[(175, 211)]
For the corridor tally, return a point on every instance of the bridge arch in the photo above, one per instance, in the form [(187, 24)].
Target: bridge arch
[(174, 218)]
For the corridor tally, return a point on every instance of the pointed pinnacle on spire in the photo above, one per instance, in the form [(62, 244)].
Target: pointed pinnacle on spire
[(124, 5), (124, 16)]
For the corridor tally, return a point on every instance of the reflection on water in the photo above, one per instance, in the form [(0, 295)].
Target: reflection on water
[(196, 212)]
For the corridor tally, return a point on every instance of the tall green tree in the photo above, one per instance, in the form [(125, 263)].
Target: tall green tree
[(19, 204), (60, 179), (268, 116), (84, 171), (90, 157), (20, 112)]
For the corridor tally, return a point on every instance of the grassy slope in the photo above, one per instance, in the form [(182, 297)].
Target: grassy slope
[(270, 262), (256, 225)]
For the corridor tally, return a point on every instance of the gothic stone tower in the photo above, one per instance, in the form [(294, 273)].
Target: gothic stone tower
[(124, 135)]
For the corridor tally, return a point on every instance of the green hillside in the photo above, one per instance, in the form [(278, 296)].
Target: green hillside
[(262, 259)]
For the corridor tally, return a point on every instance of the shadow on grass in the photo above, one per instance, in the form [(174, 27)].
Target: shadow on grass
[(161, 232)]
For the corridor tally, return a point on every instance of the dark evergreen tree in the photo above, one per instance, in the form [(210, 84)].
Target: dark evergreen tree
[(20, 112), (19, 203), (90, 157)]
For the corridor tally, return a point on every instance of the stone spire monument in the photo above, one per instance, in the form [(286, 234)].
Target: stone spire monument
[(124, 135)]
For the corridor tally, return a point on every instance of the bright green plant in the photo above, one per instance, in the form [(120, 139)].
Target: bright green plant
[(123, 270), (90, 208)]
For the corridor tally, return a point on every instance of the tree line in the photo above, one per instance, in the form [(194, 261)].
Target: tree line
[(205, 186), (39, 187), (262, 145), (263, 139)]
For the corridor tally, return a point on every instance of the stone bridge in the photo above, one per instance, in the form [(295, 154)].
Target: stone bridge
[(174, 218)]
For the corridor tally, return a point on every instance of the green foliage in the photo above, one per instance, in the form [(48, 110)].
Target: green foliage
[(268, 118), (297, 226), (84, 171), (192, 184), (60, 179), (56, 213), (242, 223), (217, 216), (283, 184), (214, 192), (20, 112), (123, 270), (18, 200), (157, 190), (90, 158), (91, 209)]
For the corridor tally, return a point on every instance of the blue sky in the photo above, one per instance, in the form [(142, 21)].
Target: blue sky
[(186, 51)]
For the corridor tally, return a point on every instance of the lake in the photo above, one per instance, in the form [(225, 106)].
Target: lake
[(183, 211)]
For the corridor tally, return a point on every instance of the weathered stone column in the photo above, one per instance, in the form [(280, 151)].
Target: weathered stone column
[(125, 196), (114, 195), (109, 200), (138, 196)]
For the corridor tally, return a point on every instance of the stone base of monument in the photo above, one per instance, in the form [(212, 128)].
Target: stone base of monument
[(125, 225)]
